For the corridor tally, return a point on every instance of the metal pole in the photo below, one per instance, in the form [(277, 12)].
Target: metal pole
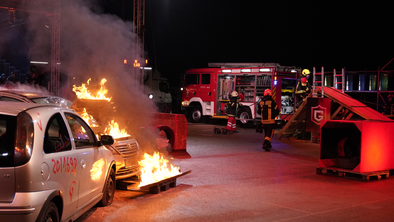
[(334, 74), (313, 82), (343, 80), (322, 82), (378, 85), (377, 90)]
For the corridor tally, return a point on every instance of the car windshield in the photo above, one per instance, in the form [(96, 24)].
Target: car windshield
[(53, 100)]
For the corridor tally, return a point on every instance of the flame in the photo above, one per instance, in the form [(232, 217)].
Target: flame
[(83, 92), (97, 169), (88, 118), (113, 130), (155, 168)]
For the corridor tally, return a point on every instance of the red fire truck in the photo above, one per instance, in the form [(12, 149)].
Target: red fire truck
[(206, 91)]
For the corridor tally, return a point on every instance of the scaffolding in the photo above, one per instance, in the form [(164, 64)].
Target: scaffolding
[(51, 8)]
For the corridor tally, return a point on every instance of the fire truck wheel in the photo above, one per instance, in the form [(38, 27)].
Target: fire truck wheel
[(196, 115), (243, 116)]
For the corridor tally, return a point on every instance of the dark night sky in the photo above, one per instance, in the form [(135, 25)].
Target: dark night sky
[(183, 34), (189, 34)]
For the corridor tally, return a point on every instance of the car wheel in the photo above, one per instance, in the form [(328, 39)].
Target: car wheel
[(243, 117), (109, 190), (50, 214), (196, 115)]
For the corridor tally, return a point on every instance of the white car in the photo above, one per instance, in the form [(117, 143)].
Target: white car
[(33, 97), (52, 166), (125, 150)]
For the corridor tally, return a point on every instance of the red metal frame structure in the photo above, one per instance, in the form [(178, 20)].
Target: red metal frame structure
[(139, 19), (369, 87)]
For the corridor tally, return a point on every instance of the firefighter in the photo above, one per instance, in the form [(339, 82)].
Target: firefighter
[(231, 113), (268, 109), (303, 87)]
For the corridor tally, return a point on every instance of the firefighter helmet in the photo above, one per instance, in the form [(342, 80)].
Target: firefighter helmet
[(305, 72), (267, 92), (234, 94)]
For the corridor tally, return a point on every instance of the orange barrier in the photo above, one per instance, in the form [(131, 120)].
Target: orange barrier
[(175, 126), (357, 145)]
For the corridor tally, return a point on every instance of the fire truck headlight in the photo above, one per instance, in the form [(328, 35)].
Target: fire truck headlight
[(185, 103), (181, 88), (150, 96)]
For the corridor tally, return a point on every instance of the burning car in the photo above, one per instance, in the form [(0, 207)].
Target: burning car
[(97, 111)]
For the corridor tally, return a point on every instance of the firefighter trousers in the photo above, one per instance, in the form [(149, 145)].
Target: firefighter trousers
[(269, 131), (231, 124)]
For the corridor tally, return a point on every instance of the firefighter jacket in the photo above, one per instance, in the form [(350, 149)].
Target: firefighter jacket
[(268, 109), (303, 87), (232, 106)]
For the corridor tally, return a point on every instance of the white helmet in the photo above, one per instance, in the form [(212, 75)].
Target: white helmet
[(234, 94)]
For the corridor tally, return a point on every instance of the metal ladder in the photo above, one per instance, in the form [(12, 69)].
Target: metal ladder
[(318, 80)]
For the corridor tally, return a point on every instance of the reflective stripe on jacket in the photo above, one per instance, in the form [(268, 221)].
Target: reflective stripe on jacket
[(268, 110)]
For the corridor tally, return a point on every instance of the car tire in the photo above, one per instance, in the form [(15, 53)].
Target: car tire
[(245, 114), (109, 190), (50, 213), (196, 115)]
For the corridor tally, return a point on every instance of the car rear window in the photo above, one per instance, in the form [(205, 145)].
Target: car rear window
[(53, 100), (7, 138)]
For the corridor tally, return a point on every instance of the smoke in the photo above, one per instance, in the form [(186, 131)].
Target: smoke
[(95, 45), (26, 88)]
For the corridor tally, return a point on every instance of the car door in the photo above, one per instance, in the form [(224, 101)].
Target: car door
[(62, 163), (91, 160)]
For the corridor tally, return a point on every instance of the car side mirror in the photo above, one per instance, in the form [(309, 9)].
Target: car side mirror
[(106, 140)]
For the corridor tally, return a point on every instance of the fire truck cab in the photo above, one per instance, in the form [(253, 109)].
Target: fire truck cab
[(206, 91)]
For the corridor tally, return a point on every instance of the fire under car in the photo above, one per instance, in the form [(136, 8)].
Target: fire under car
[(52, 165), (97, 113)]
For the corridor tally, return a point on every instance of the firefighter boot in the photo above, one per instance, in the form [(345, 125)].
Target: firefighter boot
[(267, 145)]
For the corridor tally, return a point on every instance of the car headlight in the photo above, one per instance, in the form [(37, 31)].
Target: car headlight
[(185, 103)]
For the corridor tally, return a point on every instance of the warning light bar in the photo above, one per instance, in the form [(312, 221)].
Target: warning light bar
[(136, 63), (265, 70)]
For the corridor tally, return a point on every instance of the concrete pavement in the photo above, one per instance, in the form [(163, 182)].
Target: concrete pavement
[(233, 179)]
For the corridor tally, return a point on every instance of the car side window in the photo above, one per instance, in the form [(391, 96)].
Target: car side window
[(82, 134), (56, 138), (9, 99)]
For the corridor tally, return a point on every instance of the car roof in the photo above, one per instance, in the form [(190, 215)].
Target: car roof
[(13, 108), (29, 95)]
